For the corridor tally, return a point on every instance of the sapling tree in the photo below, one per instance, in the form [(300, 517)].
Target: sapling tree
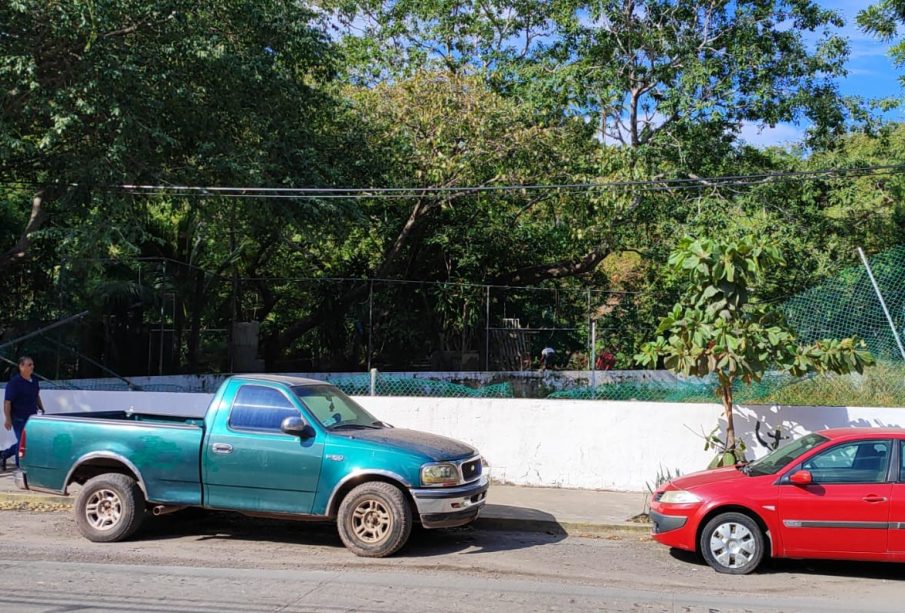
[(720, 329)]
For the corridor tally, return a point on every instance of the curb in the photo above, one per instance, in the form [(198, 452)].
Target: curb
[(503, 524), (27, 499), (566, 528)]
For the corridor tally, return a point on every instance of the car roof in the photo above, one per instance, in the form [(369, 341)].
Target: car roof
[(856, 433), (290, 380)]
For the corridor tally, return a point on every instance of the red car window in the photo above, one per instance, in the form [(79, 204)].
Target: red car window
[(856, 462)]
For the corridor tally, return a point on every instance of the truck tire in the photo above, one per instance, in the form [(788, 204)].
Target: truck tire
[(109, 508), (374, 520)]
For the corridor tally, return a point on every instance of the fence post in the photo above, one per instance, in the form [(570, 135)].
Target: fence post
[(163, 299), (370, 320), (892, 325), (487, 331), (591, 362), (373, 381), (590, 339)]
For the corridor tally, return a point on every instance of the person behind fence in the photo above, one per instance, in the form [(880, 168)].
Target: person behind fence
[(21, 401), (605, 360), (547, 357)]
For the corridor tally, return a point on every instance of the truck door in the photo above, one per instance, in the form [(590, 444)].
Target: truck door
[(249, 464)]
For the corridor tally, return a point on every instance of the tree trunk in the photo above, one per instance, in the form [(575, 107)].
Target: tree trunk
[(35, 221), (194, 344), (726, 395)]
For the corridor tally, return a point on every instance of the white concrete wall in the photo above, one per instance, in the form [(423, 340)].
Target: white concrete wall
[(554, 443)]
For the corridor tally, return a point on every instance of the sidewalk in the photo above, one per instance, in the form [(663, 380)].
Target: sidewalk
[(509, 507)]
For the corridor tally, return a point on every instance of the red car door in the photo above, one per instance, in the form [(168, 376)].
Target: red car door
[(846, 507), (897, 506)]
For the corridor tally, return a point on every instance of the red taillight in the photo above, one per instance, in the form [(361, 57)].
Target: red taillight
[(22, 445)]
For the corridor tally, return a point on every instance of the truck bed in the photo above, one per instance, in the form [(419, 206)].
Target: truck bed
[(164, 451)]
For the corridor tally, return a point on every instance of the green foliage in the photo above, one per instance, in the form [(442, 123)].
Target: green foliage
[(664, 475), (883, 20), (725, 455), (424, 93), (719, 328)]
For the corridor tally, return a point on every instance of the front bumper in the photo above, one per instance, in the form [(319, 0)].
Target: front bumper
[(674, 525), (660, 523), (451, 506), (21, 480)]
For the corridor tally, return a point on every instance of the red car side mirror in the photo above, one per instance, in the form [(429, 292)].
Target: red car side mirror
[(801, 477)]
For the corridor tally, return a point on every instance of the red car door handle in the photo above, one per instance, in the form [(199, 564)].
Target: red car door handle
[(873, 498)]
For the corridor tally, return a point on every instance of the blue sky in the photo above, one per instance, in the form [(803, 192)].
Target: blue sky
[(871, 74)]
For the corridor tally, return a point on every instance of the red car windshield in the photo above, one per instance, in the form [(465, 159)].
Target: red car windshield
[(785, 455)]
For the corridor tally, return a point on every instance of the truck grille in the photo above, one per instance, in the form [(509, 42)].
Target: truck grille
[(471, 470)]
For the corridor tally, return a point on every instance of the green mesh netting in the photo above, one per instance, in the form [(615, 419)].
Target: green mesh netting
[(881, 385), (844, 306), (389, 385), (656, 391), (848, 305)]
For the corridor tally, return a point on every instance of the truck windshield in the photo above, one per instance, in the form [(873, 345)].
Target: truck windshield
[(334, 409), (773, 462)]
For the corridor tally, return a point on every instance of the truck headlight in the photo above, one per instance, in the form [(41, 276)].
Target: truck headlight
[(439, 474), (679, 497)]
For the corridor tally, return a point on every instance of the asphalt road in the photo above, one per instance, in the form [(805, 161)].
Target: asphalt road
[(232, 563)]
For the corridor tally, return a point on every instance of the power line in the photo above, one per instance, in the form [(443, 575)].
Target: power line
[(648, 185), (745, 179), (358, 193)]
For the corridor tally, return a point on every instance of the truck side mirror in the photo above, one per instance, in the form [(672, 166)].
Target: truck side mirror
[(296, 426)]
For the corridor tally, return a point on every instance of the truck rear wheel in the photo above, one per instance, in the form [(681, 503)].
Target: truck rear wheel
[(109, 508), (374, 520)]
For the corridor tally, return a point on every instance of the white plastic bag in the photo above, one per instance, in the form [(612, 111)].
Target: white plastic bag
[(7, 438)]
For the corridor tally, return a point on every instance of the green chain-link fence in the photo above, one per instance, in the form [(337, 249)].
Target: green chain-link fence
[(843, 306), (391, 385), (840, 307), (848, 305), (881, 385)]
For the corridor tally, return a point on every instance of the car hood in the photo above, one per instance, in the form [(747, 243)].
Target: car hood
[(437, 448), (708, 477)]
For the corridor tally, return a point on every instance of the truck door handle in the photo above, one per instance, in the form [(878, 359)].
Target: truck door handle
[(874, 498), (222, 448)]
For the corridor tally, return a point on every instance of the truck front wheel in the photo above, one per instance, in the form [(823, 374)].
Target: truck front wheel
[(109, 508), (374, 520)]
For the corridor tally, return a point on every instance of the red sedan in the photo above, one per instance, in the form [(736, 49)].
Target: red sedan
[(834, 494)]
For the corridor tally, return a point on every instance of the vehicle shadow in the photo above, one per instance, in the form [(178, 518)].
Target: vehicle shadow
[(837, 568), (826, 568), (687, 557), (485, 536)]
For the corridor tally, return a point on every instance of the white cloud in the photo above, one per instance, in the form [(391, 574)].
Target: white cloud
[(765, 136)]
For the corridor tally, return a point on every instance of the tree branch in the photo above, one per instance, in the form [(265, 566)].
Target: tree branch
[(35, 221), (557, 270)]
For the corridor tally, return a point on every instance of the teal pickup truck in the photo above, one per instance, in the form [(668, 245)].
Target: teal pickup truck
[(268, 445)]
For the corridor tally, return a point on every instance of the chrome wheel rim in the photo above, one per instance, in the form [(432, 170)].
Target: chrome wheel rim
[(371, 521), (104, 509), (733, 545)]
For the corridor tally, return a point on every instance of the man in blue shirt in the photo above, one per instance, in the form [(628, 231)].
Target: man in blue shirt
[(22, 400)]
